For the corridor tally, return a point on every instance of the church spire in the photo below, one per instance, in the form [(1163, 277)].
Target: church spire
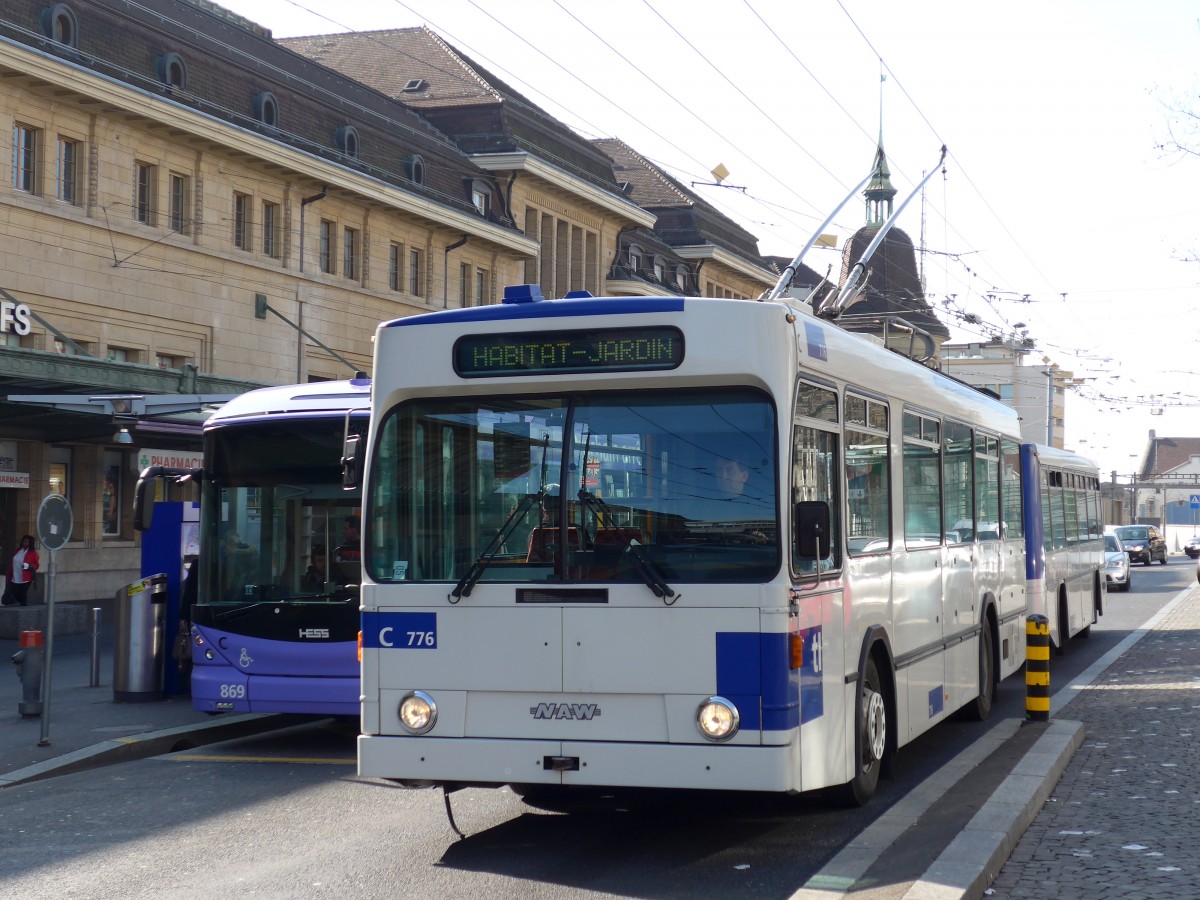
[(879, 191)]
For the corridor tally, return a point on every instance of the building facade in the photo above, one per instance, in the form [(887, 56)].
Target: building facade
[(192, 211)]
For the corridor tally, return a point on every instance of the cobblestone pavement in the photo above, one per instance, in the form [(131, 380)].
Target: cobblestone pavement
[(1124, 821)]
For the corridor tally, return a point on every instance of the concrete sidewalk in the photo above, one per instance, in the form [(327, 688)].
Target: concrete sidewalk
[(86, 728)]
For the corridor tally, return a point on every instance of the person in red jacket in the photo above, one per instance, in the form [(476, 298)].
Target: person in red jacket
[(21, 570)]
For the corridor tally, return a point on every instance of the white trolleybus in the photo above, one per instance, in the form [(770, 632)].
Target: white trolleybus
[(1064, 544), (675, 543)]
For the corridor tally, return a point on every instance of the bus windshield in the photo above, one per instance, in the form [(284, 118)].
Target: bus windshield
[(595, 487), (275, 522)]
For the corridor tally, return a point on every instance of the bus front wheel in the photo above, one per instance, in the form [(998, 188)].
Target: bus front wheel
[(870, 718)]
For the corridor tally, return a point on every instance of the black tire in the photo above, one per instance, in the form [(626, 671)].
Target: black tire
[(870, 728), (981, 707), (1164, 558)]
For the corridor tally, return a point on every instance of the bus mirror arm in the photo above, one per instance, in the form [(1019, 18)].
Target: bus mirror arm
[(143, 502)]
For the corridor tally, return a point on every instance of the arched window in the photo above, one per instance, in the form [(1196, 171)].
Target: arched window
[(266, 108), (60, 25), (172, 70), (346, 139), (414, 169)]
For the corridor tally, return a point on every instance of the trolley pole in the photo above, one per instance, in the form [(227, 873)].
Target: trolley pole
[(1037, 669)]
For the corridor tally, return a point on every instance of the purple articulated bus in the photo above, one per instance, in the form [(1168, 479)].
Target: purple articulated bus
[(274, 608)]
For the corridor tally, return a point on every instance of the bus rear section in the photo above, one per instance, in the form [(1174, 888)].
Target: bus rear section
[(1064, 541)]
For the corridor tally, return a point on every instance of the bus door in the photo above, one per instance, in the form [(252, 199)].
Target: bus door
[(917, 574), (960, 606)]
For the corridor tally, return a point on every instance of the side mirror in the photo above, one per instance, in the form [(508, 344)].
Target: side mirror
[(143, 496), (812, 529), (352, 462)]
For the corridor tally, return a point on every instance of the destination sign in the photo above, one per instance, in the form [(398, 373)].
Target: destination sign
[(551, 352)]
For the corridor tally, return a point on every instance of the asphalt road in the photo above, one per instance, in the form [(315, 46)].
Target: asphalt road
[(283, 815)]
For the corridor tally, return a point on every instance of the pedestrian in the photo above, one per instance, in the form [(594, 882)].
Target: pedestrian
[(21, 573)]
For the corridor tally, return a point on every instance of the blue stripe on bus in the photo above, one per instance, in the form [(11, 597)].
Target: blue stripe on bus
[(1031, 500), (545, 309), (753, 672)]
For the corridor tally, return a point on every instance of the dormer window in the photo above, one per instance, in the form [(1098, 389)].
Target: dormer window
[(660, 270), (346, 139), (60, 25), (480, 197), (635, 258), (266, 109), (172, 70), (414, 169), (682, 275)]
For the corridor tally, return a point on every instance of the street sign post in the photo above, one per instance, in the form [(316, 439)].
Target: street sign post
[(54, 524)]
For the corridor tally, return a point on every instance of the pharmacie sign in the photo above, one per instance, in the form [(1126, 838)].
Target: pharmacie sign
[(179, 459)]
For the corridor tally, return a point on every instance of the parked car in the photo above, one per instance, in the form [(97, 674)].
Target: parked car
[(1192, 547), (1143, 543), (1116, 564)]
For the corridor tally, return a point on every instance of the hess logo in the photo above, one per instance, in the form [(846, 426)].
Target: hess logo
[(314, 633)]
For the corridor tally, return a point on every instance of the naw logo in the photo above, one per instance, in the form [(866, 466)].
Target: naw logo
[(578, 711)]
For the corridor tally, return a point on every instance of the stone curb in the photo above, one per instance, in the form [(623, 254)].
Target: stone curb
[(152, 743), (973, 859)]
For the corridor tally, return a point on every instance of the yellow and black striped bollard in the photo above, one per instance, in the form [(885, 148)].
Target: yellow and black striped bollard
[(1037, 669)]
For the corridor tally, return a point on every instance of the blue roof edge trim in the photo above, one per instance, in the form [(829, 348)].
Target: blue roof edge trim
[(545, 309)]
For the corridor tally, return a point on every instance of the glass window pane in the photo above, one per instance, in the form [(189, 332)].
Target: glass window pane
[(868, 522), (957, 457), (922, 496), (815, 477), (677, 483)]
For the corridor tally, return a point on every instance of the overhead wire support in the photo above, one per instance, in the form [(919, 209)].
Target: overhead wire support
[(732, 187)]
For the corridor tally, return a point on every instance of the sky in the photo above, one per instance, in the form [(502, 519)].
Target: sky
[(1059, 214)]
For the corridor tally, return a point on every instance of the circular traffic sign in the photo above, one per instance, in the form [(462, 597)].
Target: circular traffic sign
[(54, 521)]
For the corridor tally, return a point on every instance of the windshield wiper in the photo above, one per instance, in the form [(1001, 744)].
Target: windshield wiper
[(492, 550), (603, 515)]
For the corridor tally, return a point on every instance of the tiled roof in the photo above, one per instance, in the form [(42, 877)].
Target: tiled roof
[(1167, 454), (389, 60), (684, 218), (461, 98)]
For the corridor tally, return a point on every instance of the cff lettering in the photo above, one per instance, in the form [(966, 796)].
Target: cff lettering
[(14, 317)]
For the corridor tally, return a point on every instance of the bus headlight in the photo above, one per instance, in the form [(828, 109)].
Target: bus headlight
[(418, 712), (717, 719)]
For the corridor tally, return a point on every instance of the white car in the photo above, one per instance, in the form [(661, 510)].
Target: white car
[(1116, 564)]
